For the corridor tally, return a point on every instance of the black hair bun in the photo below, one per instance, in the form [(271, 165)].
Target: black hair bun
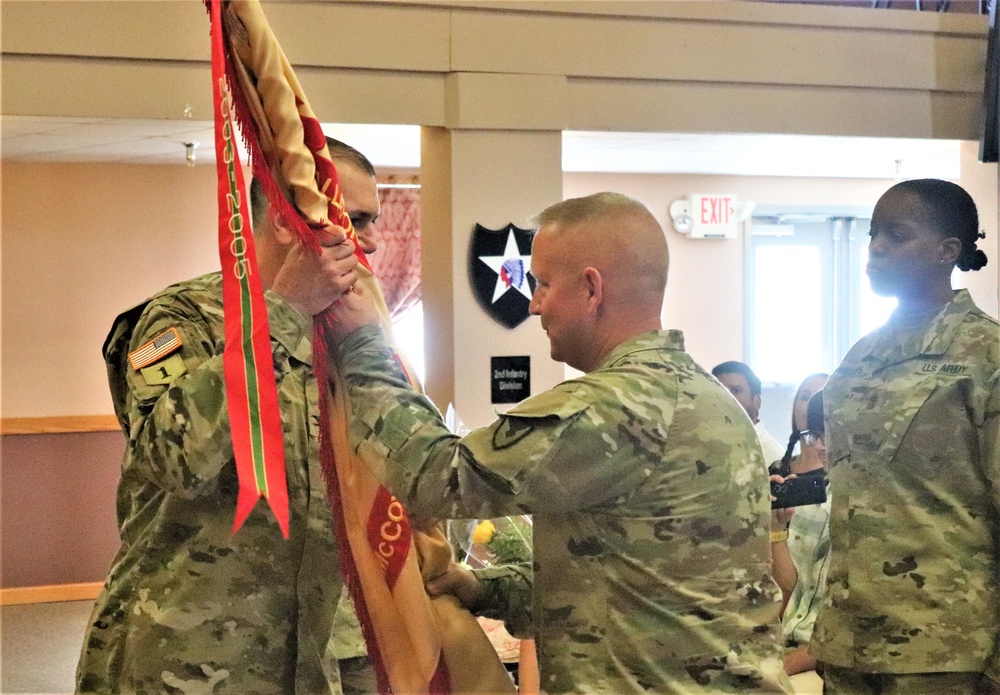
[(974, 260)]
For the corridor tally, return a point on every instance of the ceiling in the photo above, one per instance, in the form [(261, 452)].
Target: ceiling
[(53, 139)]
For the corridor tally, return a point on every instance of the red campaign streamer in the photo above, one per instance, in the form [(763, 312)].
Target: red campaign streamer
[(306, 235), (326, 171), (251, 391), (246, 19)]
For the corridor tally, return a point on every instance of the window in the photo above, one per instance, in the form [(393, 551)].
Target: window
[(808, 299), (408, 330), (788, 326)]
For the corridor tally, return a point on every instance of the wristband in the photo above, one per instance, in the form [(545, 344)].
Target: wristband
[(779, 536)]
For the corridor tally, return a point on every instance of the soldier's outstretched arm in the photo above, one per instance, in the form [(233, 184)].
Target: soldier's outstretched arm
[(501, 592), (549, 453)]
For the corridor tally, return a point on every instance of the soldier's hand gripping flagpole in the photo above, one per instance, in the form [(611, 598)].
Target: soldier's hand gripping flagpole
[(289, 157)]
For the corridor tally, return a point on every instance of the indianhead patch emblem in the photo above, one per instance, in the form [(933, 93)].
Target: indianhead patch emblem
[(499, 262)]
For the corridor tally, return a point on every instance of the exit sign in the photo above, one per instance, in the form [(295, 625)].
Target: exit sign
[(714, 216)]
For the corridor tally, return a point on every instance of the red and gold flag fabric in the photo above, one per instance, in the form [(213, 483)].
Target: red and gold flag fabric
[(416, 645)]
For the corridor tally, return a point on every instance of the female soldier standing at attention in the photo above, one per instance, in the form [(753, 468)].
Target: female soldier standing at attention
[(913, 594)]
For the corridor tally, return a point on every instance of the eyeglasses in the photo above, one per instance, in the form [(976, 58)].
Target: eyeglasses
[(808, 437)]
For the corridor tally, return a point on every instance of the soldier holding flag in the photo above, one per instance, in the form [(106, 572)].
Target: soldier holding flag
[(647, 485), (189, 606)]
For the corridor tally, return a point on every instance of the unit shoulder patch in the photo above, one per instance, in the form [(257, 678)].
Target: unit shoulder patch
[(163, 372)]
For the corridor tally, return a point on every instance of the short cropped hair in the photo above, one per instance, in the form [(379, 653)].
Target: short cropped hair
[(734, 367), (649, 259), (340, 152), (576, 210)]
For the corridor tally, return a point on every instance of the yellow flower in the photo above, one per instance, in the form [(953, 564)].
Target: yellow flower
[(483, 532)]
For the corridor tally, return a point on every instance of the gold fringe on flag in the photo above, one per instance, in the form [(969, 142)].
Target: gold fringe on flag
[(417, 645)]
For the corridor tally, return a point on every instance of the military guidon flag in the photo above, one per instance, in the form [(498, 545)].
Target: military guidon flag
[(403, 630)]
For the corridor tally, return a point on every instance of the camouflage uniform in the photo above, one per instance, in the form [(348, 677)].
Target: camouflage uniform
[(357, 676), (911, 433), (651, 513), (187, 606)]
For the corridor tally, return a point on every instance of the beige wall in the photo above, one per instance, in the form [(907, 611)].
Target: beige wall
[(524, 177), (123, 232), (57, 507), (114, 235)]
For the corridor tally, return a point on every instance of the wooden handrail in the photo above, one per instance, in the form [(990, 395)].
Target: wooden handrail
[(49, 594), (58, 424)]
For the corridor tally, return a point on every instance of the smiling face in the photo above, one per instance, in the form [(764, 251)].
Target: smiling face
[(906, 253), (560, 298)]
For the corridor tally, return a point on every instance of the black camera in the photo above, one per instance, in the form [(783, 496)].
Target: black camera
[(799, 491)]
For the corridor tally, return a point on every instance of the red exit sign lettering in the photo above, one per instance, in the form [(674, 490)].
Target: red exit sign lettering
[(717, 210), (714, 216)]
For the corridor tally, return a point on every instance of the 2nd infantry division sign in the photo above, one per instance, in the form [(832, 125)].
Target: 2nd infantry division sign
[(499, 261)]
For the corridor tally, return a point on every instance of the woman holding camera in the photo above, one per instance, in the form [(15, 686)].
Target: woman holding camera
[(912, 413), (790, 463), (801, 539)]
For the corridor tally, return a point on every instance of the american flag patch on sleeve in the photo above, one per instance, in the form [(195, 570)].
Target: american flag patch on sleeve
[(160, 346)]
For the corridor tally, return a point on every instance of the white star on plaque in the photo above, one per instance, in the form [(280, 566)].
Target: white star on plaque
[(507, 280)]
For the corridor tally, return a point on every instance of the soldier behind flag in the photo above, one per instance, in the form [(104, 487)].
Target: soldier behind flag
[(651, 562), (188, 606)]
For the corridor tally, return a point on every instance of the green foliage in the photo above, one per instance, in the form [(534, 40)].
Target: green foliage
[(512, 541)]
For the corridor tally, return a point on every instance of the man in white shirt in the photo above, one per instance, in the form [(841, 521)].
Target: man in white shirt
[(740, 380)]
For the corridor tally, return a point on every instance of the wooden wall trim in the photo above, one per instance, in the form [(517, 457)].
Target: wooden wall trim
[(50, 594), (59, 424)]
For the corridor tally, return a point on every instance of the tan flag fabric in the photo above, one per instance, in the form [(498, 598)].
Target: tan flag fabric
[(417, 645)]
